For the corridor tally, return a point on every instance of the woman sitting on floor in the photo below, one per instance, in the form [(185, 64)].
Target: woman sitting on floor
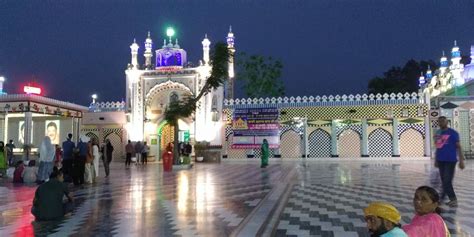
[(427, 221)]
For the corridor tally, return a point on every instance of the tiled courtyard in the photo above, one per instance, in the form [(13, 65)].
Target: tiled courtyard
[(291, 197)]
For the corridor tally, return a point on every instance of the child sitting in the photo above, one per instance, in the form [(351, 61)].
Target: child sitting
[(30, 173), (17, 174), (427, 221)]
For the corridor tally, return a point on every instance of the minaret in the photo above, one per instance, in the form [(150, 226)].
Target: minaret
[(148, 51), (230, 46), (456, 67), (421, 81), (429, 73), (134, 50), (205, 50), (443, 63)]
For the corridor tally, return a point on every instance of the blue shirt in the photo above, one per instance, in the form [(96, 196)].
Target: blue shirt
[(395, 232), (445, 141), (82, 148), (68, 147)]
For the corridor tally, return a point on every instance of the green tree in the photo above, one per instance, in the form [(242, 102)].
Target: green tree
[(401, 79), (260, 76), (187, 106)]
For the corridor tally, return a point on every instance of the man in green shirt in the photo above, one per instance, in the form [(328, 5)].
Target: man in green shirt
[(48, 202)]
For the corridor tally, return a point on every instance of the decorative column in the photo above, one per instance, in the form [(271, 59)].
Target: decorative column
[(365, 139), (28, 128), (427, 126), (5, 128), (395, 139), (334, 139)]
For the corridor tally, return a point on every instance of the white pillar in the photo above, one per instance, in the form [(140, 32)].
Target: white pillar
[(5, 127), (334, 139), (395, 142), (428, 127), (28, 127), (365, 139)]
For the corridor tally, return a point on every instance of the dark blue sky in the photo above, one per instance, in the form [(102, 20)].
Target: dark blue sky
[(76, 48)]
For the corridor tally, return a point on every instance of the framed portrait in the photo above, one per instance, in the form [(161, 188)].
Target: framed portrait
[(21, 132), (52, 130)]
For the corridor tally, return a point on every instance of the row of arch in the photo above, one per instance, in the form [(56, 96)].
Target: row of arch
[(349, 144)]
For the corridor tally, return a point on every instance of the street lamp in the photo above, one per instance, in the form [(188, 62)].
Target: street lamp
[(2, 80), (94, 97)]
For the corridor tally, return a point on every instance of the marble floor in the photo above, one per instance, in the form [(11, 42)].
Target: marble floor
[(293, 197)]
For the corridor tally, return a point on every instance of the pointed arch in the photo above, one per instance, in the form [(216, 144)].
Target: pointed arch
[(319, 142), (380, 143)]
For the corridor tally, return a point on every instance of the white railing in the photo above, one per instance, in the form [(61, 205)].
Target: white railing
[(337, 100), (107, 106)]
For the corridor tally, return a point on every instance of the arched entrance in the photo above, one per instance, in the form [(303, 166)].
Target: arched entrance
[(166, 134)]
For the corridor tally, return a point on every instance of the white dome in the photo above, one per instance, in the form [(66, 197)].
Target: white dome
[(468, 73)]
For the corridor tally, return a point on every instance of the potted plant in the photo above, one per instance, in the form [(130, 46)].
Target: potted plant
[(200, 149)]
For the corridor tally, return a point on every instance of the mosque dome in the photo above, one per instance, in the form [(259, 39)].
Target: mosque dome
[(468, 73), (170, 55)]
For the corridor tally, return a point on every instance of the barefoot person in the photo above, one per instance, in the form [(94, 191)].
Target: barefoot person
[(48, 201), (447, 150), (427, 221)]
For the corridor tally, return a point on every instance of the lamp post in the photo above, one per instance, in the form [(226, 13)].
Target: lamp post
[(94, 97), (303, 122)]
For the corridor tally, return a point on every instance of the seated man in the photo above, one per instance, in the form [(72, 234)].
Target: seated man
[(48, 202), (383, 219)]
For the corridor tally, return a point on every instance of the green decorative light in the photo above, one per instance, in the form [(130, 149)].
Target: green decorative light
[(170, 32)]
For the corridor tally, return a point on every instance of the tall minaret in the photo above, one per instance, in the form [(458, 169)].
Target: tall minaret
[(230, 45), (456, 67), (443, 63), (148, 51), (205, 50), (134, 50)]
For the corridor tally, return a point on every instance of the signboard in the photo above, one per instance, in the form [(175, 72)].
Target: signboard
[(32, 90), (252, 126)]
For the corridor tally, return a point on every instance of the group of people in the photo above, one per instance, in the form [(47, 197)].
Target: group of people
[(383, 219), (139, 151), (81, 163)]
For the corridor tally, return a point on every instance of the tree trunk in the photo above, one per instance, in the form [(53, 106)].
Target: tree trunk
[(176, 144)]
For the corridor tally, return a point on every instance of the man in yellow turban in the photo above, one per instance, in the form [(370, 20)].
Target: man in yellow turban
[(383, 220)]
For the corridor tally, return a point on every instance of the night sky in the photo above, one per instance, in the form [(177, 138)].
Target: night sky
[(76, 48)]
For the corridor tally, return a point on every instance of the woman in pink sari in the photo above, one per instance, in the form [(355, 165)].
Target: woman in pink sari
[(427, 222)]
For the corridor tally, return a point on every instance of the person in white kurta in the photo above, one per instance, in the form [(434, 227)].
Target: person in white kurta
[(96, 154)]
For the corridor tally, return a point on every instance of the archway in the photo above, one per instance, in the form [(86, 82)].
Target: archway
[(349, 144), (290, 145), (411, 143), (319, 144), (380, 143)]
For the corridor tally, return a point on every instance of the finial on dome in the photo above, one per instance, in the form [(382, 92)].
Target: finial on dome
[(230, 28), (455, 43), (443, 54), (205, 36), (149, 34), (164, 42), (176, 45), (429, 67), (134, 40)]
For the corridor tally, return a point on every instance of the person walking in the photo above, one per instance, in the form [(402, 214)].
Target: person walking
[(89, 175), (68, 148), (80, 161), (129, 150), (46, 158), (107, 152), (3, 161), (138, 151), (97, 155), (448, 148), (145, 150), (265, 153)]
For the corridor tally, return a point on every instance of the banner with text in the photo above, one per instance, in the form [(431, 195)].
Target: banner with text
[(251, 126)]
